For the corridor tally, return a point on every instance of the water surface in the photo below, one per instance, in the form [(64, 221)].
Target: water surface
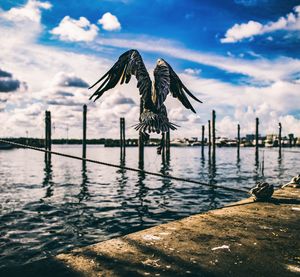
[(50, 207)]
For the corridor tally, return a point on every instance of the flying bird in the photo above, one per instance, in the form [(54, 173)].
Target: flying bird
[(154, 116)]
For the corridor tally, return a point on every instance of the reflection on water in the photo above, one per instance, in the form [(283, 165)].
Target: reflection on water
[(47, 181), (238, 163), (84, 189), (53, 204), (141, 193)]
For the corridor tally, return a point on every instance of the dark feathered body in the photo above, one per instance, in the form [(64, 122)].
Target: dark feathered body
[(154, 115)]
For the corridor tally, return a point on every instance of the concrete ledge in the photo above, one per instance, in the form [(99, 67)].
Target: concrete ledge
[(243, 239)]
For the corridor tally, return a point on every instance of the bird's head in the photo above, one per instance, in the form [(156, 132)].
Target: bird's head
[(160, 62)]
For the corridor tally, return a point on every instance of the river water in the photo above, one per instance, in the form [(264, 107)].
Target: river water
[(48, 208)]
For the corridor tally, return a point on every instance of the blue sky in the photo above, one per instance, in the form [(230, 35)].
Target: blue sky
[(197, 25), (240, 56)]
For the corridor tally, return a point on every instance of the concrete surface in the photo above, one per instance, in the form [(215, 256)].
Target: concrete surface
[(243, 239)]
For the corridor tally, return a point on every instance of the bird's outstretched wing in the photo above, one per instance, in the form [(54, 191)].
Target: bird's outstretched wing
[(129, 63), (166, 80)]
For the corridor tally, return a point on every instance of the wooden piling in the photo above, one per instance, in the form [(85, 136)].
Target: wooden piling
[(279, 138), (256, 132), (163, 152), (209, 139), (123, 131), (141, 142), (202, 139), (256, 140), (84, 132), (49, 131), (47, 135), (122, 138), (168, 144), (46, 130), (238, 139), (213, 135)]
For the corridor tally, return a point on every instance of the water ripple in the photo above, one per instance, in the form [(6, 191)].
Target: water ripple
[(51, 207)]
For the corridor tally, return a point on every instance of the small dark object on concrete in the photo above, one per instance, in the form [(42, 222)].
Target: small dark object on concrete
[(294, 183), (263, 191)]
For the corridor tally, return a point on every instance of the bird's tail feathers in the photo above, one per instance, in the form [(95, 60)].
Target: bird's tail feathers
[(154, 123)]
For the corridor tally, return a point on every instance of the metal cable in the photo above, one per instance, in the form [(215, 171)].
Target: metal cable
[(123, 167)]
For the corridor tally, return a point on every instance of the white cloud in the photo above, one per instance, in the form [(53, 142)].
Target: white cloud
[(248, 30), (192, 71), (70, 29), (109, 22), (30, 11), (242, 104), (259, 69), (117, 99), (241, 31), (178, 115), (21, 20), (69, 80)]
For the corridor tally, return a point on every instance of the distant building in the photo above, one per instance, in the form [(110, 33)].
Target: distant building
[(250, 137), (271, 140), (291, 139)]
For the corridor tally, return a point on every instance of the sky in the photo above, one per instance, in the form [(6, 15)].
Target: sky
[(240, 57)]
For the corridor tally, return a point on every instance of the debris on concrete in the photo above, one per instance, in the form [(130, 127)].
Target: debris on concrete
[(221, 247), (294, 183), (151, 237)]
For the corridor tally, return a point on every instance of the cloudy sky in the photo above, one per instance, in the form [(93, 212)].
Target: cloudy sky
[(240, 57)]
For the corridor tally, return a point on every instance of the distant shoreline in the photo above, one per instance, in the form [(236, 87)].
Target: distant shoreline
[(153, 142)]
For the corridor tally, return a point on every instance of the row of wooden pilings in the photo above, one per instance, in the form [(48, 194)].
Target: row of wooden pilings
[(165, 151), (48, 139), (212, 137)]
